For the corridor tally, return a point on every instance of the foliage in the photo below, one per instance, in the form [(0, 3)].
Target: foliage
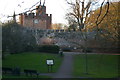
[(81, 10), (57, 26), (48, 48), (73, 27), (72, 22), (102, 22), (109, 25), (15, 39)]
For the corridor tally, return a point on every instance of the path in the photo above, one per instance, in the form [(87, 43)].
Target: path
[(66, 68)]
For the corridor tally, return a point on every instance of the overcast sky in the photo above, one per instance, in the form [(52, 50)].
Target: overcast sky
[(58, 8)]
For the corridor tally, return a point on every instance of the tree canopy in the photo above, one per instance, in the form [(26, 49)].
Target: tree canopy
[(109, 25), (15, 39)]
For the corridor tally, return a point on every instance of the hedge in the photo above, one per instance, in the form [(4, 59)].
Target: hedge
[(48, 48)]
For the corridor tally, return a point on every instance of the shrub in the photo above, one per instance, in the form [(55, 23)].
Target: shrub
[(88, 50), (16, 39), (48, 48), (66, 49)]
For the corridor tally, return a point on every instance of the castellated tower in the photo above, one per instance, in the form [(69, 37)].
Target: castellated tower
[(39, 20)]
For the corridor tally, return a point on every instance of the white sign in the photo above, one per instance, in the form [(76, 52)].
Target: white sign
[(50, 62)]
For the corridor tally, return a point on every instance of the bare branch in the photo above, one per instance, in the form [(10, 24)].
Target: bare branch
[(88, 5), (100, 11), (104, 14), (70, 3), (73, 15)]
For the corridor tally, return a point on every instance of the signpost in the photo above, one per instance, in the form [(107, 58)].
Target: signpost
[(50, 63)]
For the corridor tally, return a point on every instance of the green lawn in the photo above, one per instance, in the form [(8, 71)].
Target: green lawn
[(35, 61), (23, 76), (99, 66)]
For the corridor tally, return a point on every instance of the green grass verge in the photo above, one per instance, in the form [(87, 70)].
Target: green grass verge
[(23, 76), (99, 66), (35, 61)]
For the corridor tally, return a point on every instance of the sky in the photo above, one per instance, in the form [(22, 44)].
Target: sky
[(58, 8)]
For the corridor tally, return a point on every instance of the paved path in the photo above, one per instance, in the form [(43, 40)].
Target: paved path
[(66, 68)]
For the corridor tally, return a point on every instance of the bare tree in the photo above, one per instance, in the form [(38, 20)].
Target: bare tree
[(98, 21), (81, 11)]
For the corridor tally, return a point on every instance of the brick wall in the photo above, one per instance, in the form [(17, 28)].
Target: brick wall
[(41, 20)]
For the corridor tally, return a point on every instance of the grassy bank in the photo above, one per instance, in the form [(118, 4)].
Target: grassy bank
[(34, 61), (99, 66), (23, 77)]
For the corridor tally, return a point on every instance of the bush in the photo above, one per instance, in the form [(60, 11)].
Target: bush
[(88, 50), (48, 48), (16, 39), (66, 49)]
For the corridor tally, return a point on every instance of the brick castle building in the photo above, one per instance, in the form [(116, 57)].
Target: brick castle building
[(38, 19)]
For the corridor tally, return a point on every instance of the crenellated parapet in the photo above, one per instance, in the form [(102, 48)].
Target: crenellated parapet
[(39, 19)]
